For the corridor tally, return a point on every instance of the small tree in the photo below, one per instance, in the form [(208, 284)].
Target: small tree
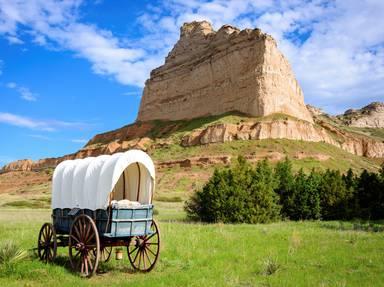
[(286, 180), (264, 201), (335, 196), (304, 201), (370, 194)]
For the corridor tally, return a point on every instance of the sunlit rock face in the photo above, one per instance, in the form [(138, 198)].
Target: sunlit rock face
[(370, 116), (212, 72)]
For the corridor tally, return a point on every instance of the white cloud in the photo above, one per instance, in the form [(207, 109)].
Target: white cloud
[(11, 85), (336, 47), (14, 40), (34, 124), (56, 23), (24, 92)]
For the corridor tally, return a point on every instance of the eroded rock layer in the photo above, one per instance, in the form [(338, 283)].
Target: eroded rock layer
[(210, 73), (370, 116)]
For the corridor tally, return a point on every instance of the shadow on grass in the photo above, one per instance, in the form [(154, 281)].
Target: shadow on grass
[(103, 268), (366, 226)]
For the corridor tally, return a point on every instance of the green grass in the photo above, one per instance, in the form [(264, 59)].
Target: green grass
[(279, 254), (32, 203), (338, 158)]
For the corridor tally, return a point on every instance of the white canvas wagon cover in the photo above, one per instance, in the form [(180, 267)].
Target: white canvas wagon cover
[(88, 183)]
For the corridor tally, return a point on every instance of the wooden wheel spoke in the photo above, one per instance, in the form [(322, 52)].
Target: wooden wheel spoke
[(85, 236), (137, 253), (77, 254), (140, 251), (146, 254), (82, 267), (146, 239), (47, 243), (90, 263), (91, 237), (50, 253), (44, 234), (77, 232), (134, 249), (82, 229), (49, 233), (86, 264), (91, 246), (75, 238), (154, 254), (87, 233), (105, 253)]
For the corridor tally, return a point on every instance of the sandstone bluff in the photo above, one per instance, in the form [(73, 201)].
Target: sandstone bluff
[(228, 72), (210, 73)]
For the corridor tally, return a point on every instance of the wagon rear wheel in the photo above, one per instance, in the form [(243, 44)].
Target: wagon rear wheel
[(143, 251), (84, 246), (105, 253), (47, 243)]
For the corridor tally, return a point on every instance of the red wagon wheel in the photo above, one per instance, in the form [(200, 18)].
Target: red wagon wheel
[(84, 246), (47, 243), (143, 251)]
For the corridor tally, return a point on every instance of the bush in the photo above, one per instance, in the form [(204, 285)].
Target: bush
[(335, 196), (239, 194), (370, 195), (262, 194), (10, 254)]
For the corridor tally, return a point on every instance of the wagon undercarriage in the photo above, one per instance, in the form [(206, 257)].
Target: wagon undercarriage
[(87, 248)]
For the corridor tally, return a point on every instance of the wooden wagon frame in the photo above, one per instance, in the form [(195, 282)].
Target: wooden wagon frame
[(99, 203)]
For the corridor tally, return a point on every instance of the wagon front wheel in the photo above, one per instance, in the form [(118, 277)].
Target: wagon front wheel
[(84, 246), (47, 243), (143, 251)]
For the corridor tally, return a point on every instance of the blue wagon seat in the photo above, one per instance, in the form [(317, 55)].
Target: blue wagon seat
[(115, 191)]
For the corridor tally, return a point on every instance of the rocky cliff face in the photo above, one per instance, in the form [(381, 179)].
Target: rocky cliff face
[(212, 72), (371, 116), (142, 136), (286, 129), (19, 165)]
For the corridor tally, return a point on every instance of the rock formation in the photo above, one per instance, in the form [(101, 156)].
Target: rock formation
[(315, 111), (210, 73), (286, 129), (19, 165), (371, 116)]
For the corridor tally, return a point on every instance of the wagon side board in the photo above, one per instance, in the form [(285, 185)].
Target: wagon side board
[(110, 223)]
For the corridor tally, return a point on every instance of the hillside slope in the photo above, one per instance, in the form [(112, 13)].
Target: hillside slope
[(186, 152)]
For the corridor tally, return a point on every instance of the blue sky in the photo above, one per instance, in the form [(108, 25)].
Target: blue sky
[(72, 69)]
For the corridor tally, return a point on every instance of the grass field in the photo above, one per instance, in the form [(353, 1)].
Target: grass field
[(279, 254)]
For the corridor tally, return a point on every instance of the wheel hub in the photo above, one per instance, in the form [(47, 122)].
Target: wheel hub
[(80, 246), (139, 242)]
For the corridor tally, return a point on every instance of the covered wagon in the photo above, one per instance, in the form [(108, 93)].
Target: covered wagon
[(99, 203)]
